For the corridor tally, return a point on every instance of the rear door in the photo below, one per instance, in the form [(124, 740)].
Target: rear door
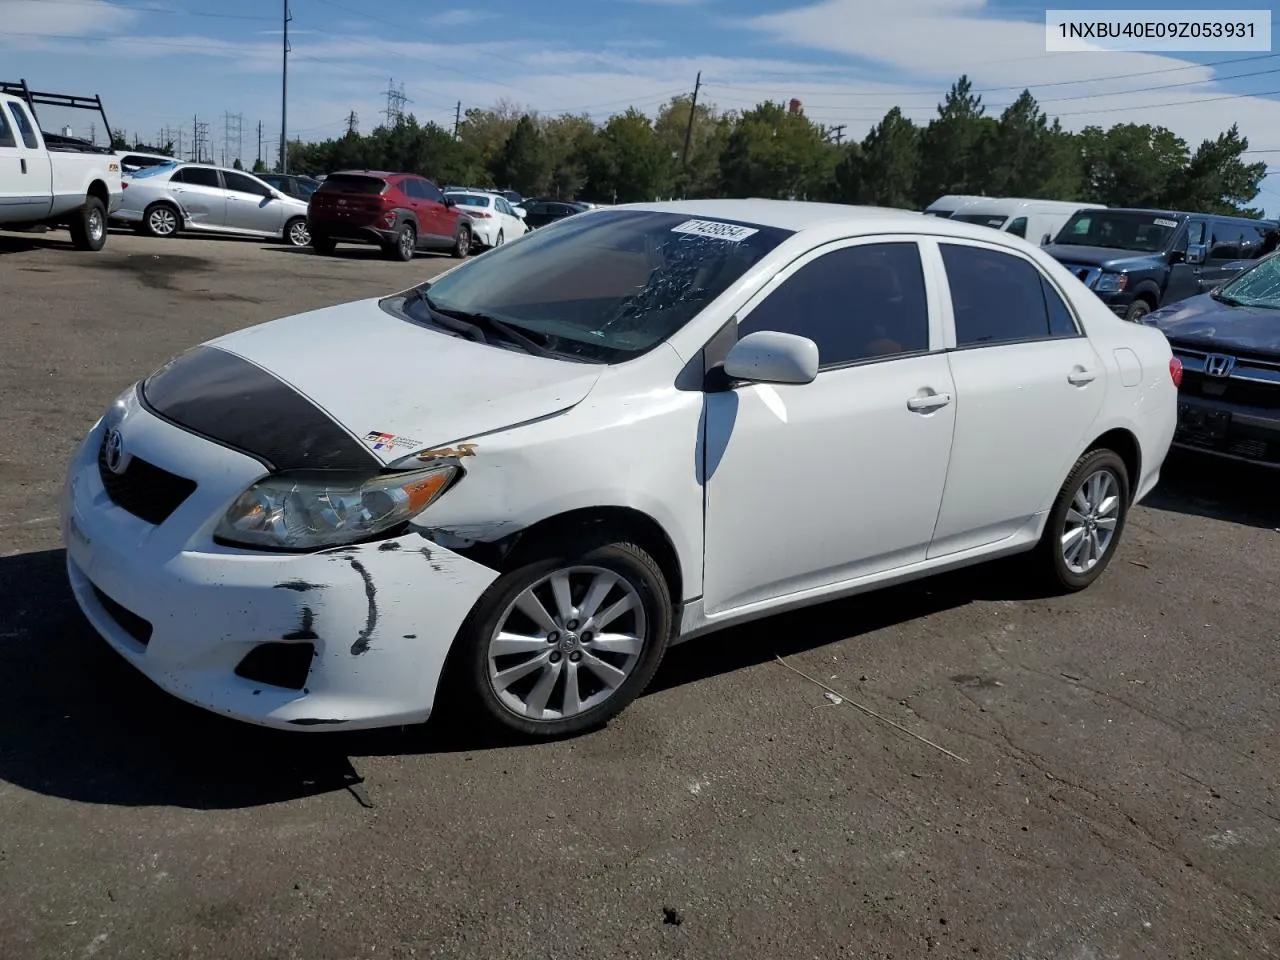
[(202, 195), (1226, 244), (251, 206), (1028, 386), (442, 220), (26, 176)]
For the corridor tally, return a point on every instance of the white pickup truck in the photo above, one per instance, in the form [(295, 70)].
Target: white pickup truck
[(65, 182)]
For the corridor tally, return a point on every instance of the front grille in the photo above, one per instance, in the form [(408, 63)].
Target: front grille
[(145, 490), (128, 621), (1231, 390)]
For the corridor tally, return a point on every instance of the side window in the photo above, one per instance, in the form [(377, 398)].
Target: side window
[(1061, 322), (199, 177), (996, 297), (856, 303), (414, 189), (431, 191), (242, 184), (1018, 228), (1251, 245), (1226, 241), (25, 126), (6, 131)]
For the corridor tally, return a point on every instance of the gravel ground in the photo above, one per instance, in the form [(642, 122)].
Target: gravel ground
[(1117, 794)]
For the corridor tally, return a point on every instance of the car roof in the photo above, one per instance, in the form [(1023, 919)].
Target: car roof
[(791, 215), (1011, 205), (381, 174)]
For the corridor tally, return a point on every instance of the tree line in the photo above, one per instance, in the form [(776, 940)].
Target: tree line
[(773, 151)]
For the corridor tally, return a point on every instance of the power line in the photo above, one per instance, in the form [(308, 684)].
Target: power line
[(145, 8)]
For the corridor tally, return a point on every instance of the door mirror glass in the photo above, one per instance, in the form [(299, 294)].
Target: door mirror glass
[(769, 356), (1195, 253)]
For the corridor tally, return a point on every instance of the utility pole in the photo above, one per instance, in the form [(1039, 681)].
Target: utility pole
[(259, 163), (353, 123), (284, 93), (836, 133), (688, 130), (457, 119), (93, 133)]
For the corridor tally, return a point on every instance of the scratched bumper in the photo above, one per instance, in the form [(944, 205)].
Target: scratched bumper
[(381, 617)]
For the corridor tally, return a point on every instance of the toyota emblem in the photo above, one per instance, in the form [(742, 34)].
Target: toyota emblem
[(113, 451)]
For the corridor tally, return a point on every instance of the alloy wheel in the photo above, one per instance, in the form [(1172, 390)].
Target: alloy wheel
[(567, 643), (97, 225), (299, 235), (1090, 524), (162, 221)]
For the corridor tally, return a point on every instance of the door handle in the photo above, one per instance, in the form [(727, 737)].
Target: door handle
[(932, 402), (23, 161), (1079, 378)]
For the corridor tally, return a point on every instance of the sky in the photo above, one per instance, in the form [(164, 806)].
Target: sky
[(161, 64)]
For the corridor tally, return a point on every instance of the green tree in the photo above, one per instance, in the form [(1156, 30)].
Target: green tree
[(486, 132), (1131, 165), (568, 142), (951, 146), (237, 165), (1217, 180), (889, 163), (524, 162), (1025, 156), (699, 173), (773, 152), (628, 163), (259, 166)]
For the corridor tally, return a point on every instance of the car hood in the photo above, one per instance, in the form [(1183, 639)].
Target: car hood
[(395, 388), (1100, 256), (1202, 322)]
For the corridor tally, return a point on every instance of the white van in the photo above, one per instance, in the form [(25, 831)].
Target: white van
[(945, 206), (1036, 220)]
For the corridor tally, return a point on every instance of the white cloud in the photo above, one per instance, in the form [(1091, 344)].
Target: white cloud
[(63, 19), (459, 17)]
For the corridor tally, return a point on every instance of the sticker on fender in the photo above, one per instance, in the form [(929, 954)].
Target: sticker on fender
[(389, 441), (714, 228)]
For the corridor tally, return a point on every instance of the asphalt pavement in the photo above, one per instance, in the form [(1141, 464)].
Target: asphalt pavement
[(1100, 778)]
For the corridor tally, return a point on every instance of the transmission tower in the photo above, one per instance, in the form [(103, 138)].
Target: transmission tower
[(353, 123), (396, 101), (200, 138), (232, 138)]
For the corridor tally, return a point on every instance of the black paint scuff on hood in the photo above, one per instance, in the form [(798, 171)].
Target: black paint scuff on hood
[(231, 401)]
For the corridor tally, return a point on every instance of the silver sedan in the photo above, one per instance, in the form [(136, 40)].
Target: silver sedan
[(172, 197)]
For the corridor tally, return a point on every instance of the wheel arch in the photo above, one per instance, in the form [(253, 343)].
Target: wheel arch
[(1126, 446), (99, 190), (1148, 292)]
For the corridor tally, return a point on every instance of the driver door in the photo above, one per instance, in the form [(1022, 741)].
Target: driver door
[(251, 205), (812, 485), (1184, 277)]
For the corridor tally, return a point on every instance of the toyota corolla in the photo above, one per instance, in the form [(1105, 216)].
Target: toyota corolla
[(520, 482)]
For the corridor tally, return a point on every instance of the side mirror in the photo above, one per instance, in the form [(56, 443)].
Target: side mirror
[(520, 212), (1196, 253), (450, 202), (1046, 239), (768, 356)]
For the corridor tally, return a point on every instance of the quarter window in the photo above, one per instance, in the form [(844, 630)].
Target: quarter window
[(1000, 298), (6, 131), (857, 303), (1018, 228)]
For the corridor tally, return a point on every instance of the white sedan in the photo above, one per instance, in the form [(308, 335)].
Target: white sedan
[(494, 220), (635, 426)]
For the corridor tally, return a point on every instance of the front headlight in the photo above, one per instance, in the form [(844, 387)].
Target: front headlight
[(1111, 283), (297, 513)]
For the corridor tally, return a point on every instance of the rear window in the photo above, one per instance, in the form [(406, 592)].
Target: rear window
[(154, 170), (467, 200), (994, 221), (353, 183)]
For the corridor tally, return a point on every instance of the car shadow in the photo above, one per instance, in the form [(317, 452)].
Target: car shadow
[(355, 252), (23, 242), (1227, 490), (79, 723)]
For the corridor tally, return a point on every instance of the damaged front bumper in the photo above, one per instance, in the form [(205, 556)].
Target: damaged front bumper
[(349, 638)]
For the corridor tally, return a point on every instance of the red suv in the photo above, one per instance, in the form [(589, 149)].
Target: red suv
[(401, 212)]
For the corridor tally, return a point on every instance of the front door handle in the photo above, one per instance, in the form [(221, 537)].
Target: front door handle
[(932, 402), (23, 161), (1079, 378)]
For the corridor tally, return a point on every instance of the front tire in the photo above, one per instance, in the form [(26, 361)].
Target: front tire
[(565, 641), (89, 226), (1086, 522), (322, 245), (296, 233), (1137, 310)]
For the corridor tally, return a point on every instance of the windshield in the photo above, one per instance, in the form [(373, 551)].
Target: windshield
[(604, 286), (945, 214), (468, 200), (1118, 230), (1258, 286), (993, 220), (153, 171)]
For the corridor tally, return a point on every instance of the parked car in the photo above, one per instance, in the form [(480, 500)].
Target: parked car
[(1139, 260), (574, 469), (1228, 341), (944, 207), (72, 185), (400, 212), (539, 213), (167, 199), (494, 221), (298, 187), (1036, 220)]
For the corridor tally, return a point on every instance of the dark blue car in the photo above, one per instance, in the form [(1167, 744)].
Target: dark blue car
[(1229, 343)]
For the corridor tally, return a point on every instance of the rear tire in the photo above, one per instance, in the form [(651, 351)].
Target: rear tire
[(625, 649), (404, 245), (462, 243), (89, 226), (161, 220), (1137, 310), (1085, 524), (322, 245)]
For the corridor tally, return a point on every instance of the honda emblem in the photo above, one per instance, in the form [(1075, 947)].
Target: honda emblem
[(1219, 365)]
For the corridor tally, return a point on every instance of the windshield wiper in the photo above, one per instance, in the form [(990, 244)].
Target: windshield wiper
[(1229, 300), (463, 321)]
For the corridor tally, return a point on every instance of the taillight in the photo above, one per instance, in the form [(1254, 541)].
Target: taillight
[(479, 213), (1175, 371), (124, 184)]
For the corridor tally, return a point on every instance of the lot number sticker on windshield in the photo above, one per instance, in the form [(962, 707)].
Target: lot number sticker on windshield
[(713, 228), (1164, 223)]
